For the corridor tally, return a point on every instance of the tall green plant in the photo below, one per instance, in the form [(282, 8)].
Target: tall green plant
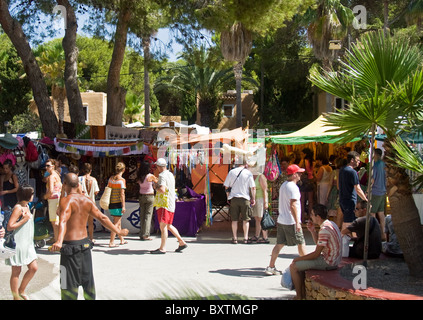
[(199, 79)]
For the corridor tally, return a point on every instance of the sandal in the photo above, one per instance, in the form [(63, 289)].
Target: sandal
[(112, 245), (262, 240), (234, 241), (247, 241), (254, 239), (24, 296)]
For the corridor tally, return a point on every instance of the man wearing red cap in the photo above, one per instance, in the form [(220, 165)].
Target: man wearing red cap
[(289, 230)]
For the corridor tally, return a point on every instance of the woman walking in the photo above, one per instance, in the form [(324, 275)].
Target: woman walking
[(117, 201), (89, 186), (146, 199), (54, 190), (22, 224)]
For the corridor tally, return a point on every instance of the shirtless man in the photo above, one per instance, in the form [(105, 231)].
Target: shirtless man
[(73, 242)]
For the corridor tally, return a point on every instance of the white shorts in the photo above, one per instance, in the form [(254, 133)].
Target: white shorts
[(53, 204), (258, 208)]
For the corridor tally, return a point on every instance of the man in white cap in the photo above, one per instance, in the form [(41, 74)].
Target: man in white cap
[(289, 229), (165, 204)]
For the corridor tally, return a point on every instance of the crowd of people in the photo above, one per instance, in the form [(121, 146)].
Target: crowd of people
[(71, 211), (323, 192)]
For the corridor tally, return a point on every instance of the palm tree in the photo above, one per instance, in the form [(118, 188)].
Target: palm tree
[(52, 64), (382, 78), (236, 44), (329, 20), (134, 106), (202, 81)]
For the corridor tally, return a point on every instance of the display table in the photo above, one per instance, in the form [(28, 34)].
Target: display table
[(189, 216), (418, 199)]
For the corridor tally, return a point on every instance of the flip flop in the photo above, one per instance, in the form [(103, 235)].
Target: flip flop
[(157, 251), (113, 245), (124, 242), (180, 248), (24, 296)]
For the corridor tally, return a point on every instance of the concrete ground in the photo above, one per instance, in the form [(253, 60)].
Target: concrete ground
[(210, 265)]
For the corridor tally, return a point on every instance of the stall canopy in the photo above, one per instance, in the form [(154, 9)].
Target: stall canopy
[(317, 131)]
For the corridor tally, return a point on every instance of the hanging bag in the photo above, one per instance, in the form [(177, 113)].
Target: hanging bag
[(267, 221), (7, 247), (105, 198), (272, 169)]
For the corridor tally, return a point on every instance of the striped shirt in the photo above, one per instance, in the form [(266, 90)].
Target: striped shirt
[(330, 238), (116, 186)]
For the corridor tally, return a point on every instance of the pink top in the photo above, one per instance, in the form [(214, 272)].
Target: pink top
[(146, 187)]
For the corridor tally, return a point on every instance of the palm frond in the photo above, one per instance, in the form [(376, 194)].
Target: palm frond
[(408, 157)]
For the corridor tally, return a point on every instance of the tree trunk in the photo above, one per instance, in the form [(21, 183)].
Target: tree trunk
[(405, 215), (71, 67), (14, 31), (115, 93), (238, 80), (146, 47)]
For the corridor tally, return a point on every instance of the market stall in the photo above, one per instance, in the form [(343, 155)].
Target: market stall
[(319, 137)]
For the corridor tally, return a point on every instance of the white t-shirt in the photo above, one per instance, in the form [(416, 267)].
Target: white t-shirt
[(240, 187), (288, 190), (166, 179)]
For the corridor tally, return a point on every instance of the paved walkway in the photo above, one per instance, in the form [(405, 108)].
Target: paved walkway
[(210, 265)]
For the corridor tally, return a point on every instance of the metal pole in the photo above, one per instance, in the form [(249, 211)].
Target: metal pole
[(369, 197)]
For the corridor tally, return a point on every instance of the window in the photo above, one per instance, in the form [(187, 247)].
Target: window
[(341, 104), (228, 110), (85, 111)]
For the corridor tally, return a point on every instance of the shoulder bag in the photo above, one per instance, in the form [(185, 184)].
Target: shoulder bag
[(105, 198)]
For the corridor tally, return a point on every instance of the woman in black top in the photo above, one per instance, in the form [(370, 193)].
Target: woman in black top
[(8, 185)]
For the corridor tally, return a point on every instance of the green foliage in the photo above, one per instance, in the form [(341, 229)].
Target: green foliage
[(25, 122), (197, 80), (259, 17), (382, 78), (15, 91), (283, 59)]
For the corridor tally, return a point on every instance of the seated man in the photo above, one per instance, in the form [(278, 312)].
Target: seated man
[(328, 252), (359, 226)]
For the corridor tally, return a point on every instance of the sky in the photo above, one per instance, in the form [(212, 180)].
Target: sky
[(163, 36)]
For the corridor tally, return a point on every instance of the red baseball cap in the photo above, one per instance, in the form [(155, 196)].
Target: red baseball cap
[(293, 168)]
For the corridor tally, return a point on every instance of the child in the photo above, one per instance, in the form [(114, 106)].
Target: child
[(22, 224)]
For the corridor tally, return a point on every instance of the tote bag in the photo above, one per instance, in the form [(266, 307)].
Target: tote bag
[(272, 169), (105, 198), (267, 221)]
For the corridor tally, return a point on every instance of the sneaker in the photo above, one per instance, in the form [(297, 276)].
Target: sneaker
[(272, 271)]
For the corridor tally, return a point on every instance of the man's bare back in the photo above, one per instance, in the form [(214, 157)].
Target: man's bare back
[(74, 211), (80, 207)]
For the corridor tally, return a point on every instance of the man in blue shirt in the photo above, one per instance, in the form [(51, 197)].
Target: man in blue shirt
[(349, 187), (379, 191)]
